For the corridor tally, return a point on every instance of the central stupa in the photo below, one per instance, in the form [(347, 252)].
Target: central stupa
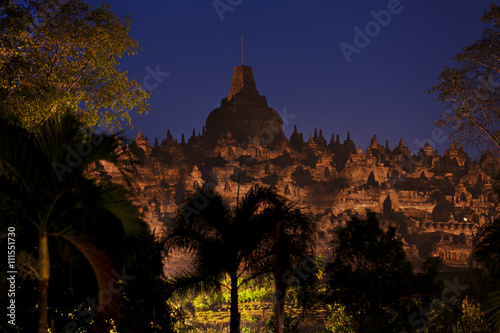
[(244, 113)]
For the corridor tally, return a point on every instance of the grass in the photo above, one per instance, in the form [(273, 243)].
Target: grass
[(253, 317), (210, 312)]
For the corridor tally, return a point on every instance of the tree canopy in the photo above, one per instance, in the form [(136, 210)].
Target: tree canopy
[(371, 277), (71, 226), (57, 54), (470, 91), (487, 253), (241, 244)]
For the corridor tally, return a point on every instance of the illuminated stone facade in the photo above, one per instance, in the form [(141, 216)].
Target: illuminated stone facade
[(438, 203)]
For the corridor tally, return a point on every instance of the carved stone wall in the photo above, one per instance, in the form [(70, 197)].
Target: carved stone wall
[(428, 197)]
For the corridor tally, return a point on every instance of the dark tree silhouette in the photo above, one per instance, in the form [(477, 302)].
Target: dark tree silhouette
[(241, 244), (146, 297), (487, 253), (47, 195), (372, 278), (470, 90)]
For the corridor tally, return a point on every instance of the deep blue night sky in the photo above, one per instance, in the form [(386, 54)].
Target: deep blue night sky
[(293, 47)]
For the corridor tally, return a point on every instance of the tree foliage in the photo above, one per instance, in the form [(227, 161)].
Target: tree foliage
[(145, 306), (472, 318), (290, 323), (57, 54), (371, 278), (240, 244), (487, 252), (72, 228), (470, 91)]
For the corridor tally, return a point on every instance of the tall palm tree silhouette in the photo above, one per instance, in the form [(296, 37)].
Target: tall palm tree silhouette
[(264, 234), (45, 191)]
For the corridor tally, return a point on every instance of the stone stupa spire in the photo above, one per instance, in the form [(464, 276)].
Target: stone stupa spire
[(244, 112), (243, 82)]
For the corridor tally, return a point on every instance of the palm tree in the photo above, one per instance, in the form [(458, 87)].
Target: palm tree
[(45, 191), (238, 243)]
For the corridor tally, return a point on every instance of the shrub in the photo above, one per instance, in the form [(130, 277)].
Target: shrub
[(290, 323)]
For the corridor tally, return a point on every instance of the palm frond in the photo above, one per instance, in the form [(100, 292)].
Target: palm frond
[(114, 200), (103, 268), (189, 280), (492, 305), (487, 247)]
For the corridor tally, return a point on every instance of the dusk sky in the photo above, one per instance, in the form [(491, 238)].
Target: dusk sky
[(294, 49)]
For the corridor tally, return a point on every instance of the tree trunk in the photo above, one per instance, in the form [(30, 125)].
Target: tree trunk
[(279, 317), (234, 323), (43, 283), (281, 265)]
